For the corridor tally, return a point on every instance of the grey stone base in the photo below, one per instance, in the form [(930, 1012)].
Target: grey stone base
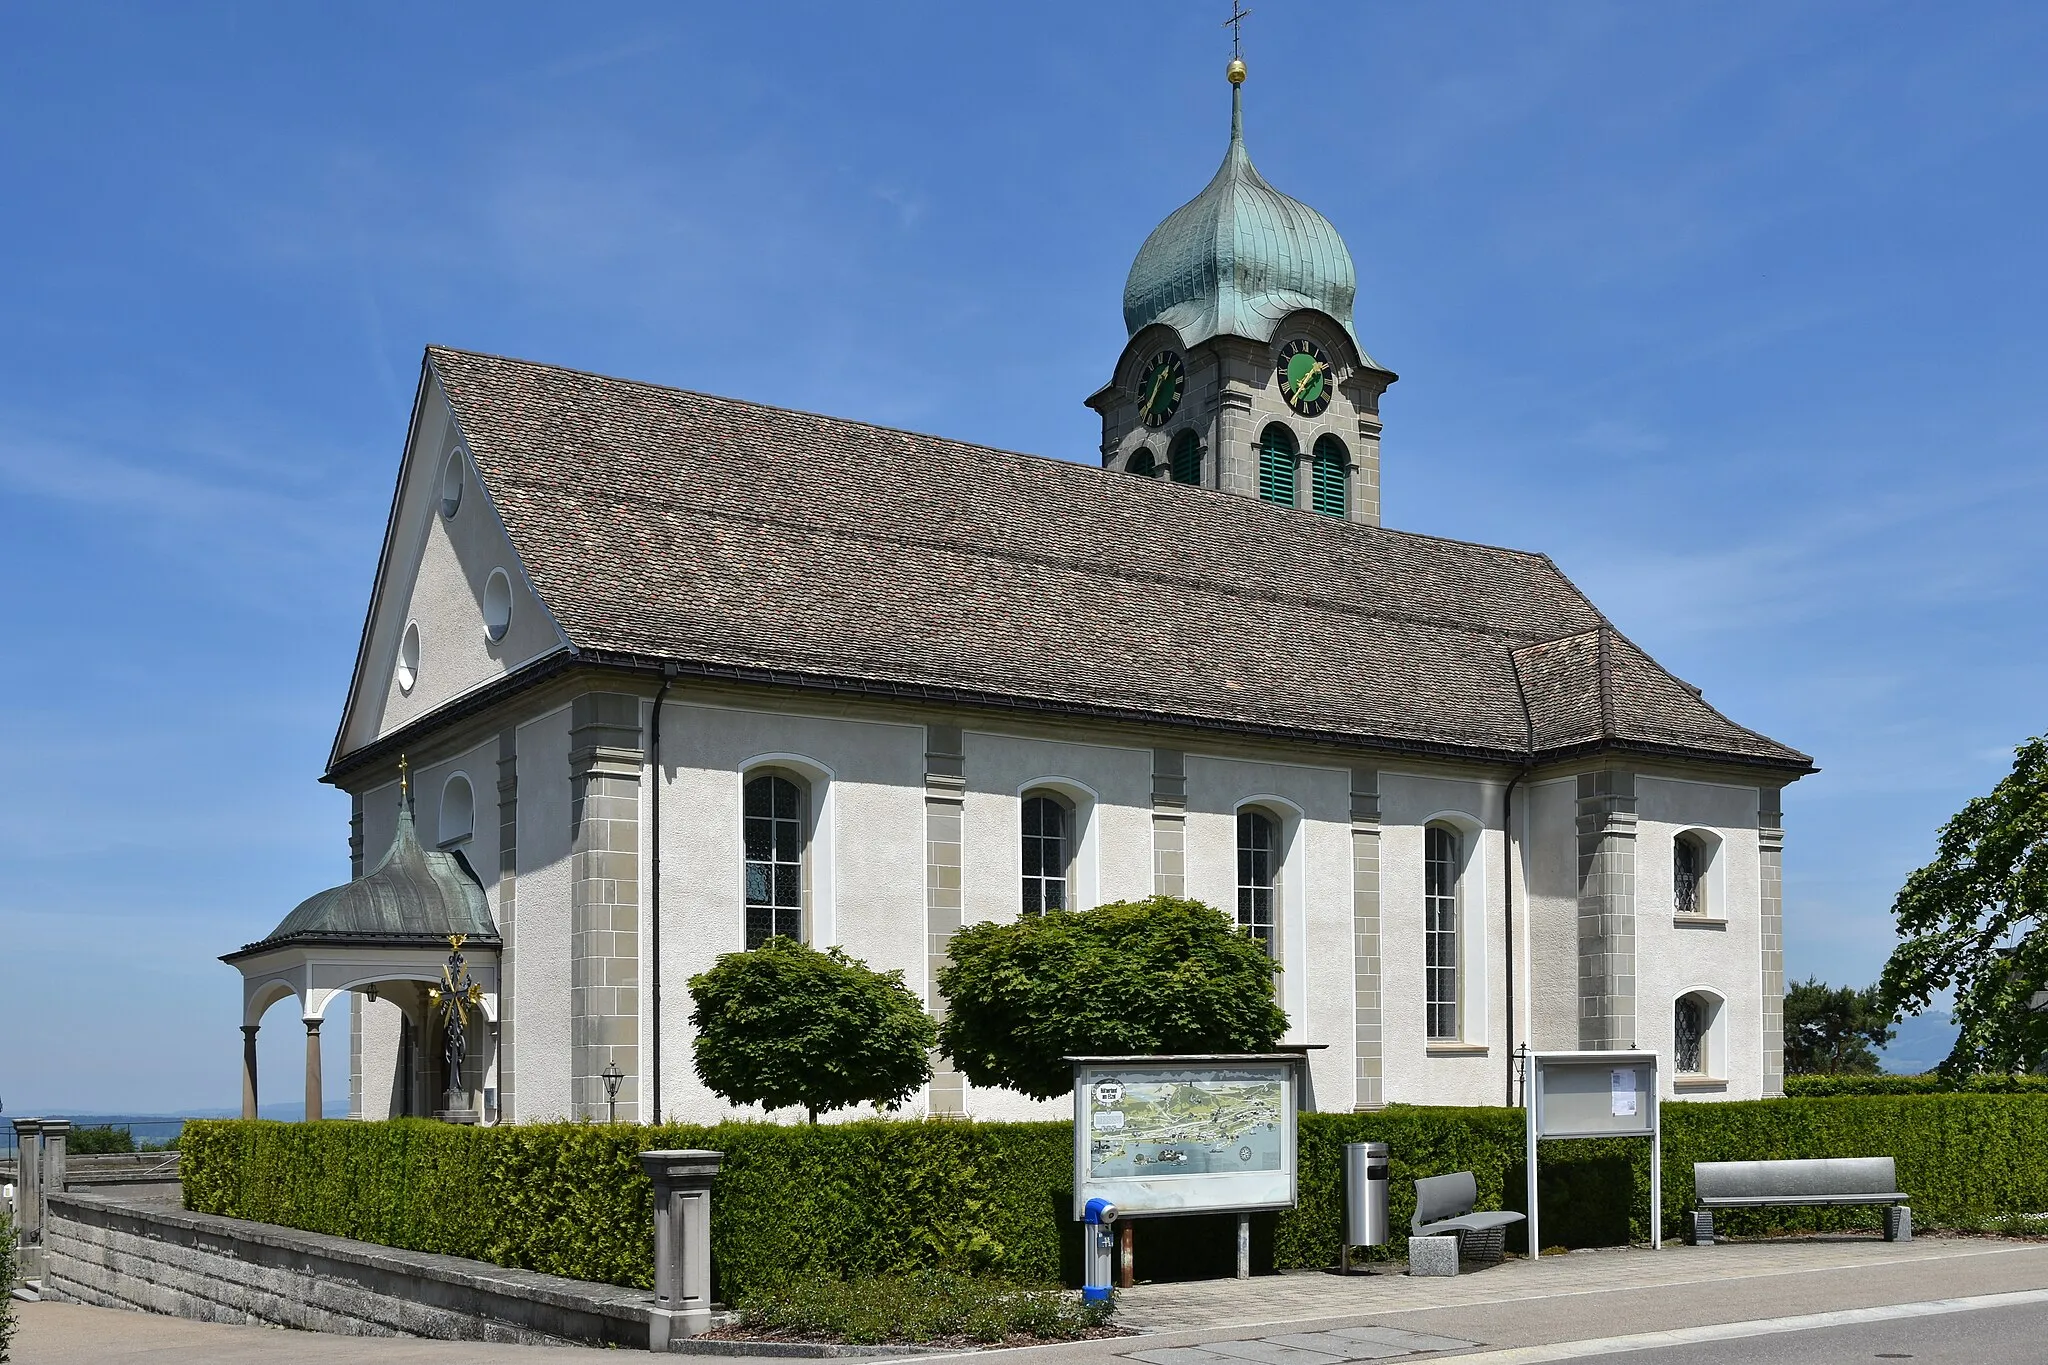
[(1702, 1228), (1898, 1224), (1433, 1256), (161, 1259)]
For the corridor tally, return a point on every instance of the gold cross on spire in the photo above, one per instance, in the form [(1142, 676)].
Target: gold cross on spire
[(404, 783)]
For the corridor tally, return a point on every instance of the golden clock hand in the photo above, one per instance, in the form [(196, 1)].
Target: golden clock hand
[(1310, 373), (1157, 380)]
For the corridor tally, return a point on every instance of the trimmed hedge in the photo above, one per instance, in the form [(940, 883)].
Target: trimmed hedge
[(883, 1197), (1928, 1083)]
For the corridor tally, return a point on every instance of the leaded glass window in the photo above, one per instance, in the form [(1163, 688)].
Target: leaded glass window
[(1258, 874), (1186, 458), (1331, 473), (1142, 463), (1689, 1031), (775, 867), (1687, 866), (1045, 855), (1441, 864), (1278, 455)]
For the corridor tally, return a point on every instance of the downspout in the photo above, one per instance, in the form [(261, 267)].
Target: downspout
[(668, 677), (1507, 843)]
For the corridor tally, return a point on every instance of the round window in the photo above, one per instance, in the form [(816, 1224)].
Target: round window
[(451, 483), (409, 657), (497, 604)]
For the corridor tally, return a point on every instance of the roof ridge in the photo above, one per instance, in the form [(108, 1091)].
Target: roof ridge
[(1325, 523)]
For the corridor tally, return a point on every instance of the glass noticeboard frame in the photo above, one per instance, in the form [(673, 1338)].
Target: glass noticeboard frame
[(1203, 1134), (1593, 1095)]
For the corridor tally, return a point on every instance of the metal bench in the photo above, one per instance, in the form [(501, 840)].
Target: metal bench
[(1443, 1208), (1830, 1181)]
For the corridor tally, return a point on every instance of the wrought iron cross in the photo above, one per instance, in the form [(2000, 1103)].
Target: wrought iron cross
[(1237, 17)]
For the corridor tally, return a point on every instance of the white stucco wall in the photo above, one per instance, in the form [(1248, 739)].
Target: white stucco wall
[(1471, 1070), (1314, 803), (867, 846), (540, 959), (1550, 859), (381, 1020), (1720, 953)]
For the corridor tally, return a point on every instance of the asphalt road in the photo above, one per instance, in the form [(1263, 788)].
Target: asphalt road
[(1988, 1336)]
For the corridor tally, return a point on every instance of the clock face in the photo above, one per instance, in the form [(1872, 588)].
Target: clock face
[(1306, 381), (1159, 388)]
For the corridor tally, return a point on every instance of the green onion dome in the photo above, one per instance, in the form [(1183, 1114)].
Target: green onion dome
[(1239, 257)]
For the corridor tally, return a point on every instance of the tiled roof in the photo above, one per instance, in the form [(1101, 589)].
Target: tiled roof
[(666, 525)]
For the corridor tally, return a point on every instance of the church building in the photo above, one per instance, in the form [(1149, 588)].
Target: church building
[(661, 674)]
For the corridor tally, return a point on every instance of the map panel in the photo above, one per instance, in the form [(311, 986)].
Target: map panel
[(1153, 1126)]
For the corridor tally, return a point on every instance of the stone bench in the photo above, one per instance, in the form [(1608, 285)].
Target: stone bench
[(1823, 1182), (1444, 1208)]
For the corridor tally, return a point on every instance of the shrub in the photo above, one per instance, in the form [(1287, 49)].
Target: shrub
[(919, 1307), (1151, 976), (6, 1283), (786, 1024), (101, 1140), (1930, 1083)]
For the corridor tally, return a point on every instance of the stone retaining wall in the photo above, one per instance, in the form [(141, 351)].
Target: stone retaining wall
[(160, 1259)]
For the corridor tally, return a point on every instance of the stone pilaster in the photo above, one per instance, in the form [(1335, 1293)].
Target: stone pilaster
[(1368, 1004), (355, 835), (945, 788), (1607, 914), (1234, 451), (1770, 858), (355, 1054), (1365, 467), (605, 758), (1169, 824), (508, 897)]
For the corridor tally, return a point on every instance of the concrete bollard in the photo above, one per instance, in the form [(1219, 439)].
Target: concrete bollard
[(28, 1201), (1432, 1255), (682, 1243)]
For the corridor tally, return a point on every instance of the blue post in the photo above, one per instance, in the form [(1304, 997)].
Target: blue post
[(1097, 1248)]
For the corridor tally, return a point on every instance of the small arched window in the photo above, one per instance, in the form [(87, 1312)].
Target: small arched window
[(1258, 876), (1689, 1020), (458, 812), (1689, 875), (774, 819), (1442, 861), (1142, 463), (1278, 454), (1185, 459), (1047, 843), (1331, 474)]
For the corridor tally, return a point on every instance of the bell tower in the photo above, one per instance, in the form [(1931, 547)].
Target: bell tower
[(1242, 371)]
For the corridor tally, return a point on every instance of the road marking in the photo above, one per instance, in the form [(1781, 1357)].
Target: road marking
[(1762, 1327)]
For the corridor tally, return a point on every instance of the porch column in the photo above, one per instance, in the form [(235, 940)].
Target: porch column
[(249, 1070), (313, 1086)]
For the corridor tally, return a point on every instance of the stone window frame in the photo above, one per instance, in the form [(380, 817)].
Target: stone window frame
[(1274, 885), (805, 820), (442, 837), (1069, 850), (1713, 1045), (1443, 993), (1707, 902), (1143, 463)]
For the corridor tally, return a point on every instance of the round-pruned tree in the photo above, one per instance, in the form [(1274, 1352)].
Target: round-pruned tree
[(786, 1024), (1152, 976)]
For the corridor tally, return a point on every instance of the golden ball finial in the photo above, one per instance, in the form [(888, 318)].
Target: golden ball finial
[(1237, 71)]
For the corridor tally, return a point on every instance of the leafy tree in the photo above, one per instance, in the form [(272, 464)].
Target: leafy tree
[(1150, 976), (786, 1024), (1833, 1032), (1972, 922)]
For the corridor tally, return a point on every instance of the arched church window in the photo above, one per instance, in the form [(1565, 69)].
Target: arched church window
[(1689, 1036), (1185, 459), (458, 812), (1046, 846), (774, 818), (1331, 472), (1142, 463), (1442, 860), (1278, 454), (1688, 876), (1258, 875)]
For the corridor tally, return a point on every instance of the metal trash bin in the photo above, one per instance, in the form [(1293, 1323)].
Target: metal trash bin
[(1365, 1197)]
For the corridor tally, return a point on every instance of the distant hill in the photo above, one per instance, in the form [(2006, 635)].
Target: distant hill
[(1921, 1044)]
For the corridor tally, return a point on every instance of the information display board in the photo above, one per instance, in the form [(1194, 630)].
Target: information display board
[(1593, 1095), (1157, 1135)]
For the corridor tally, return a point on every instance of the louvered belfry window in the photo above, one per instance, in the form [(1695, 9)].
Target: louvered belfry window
[(1258, 874), (1277, 456), (1045, 855), (775, 869), (1440, 930), (1332, 471), (1185, 459)]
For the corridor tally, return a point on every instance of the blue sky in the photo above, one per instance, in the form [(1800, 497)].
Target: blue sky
[(1735, 310)]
